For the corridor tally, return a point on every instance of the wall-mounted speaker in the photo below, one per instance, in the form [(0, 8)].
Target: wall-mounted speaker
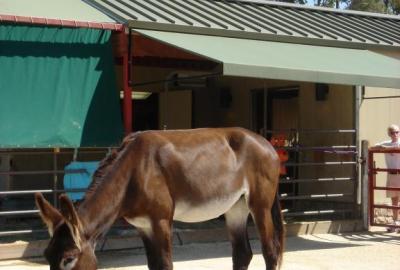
[(225, 97), (321, 91)]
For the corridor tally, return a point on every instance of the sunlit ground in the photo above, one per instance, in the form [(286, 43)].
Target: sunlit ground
[(364, 251)]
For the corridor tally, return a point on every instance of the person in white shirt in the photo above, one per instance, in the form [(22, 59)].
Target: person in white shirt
[(392, 162)]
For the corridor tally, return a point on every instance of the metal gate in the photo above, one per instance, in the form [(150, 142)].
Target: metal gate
[(319, 181), (380, 212)]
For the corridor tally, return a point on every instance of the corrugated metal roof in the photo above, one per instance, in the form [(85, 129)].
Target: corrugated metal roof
[(258, 20)]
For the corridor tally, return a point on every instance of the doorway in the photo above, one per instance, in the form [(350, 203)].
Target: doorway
[(275, 115), (274, 110), (145, 113)]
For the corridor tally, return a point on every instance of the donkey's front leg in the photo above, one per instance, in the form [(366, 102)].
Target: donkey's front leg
[(158, 244)]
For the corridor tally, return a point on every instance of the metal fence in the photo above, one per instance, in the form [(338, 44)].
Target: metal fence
[(320, 183), (376, 218), (321, 180), (30, 171)]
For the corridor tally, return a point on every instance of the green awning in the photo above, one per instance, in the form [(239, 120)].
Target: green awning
[(75, 10), (288, 61), (57, 87)]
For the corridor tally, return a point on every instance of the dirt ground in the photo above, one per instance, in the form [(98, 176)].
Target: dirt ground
[(366, 251)]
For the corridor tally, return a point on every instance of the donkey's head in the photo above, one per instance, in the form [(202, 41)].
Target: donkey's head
[(68, 248)]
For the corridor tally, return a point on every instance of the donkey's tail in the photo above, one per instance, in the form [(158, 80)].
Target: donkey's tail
[(279, 229)]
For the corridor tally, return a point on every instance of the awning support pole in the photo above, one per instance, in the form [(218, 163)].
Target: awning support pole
[(127, 89)]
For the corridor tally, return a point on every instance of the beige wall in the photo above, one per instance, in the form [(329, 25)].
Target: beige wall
[(375, 116), (240, 113), (178, 115), (336, 112)]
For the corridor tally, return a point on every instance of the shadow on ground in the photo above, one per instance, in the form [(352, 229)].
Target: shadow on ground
[(136, 257)]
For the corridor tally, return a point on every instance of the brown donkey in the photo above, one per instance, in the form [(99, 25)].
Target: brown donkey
[(156, 177)]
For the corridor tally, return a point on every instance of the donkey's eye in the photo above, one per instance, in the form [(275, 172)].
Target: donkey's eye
[(68, 263), (68, 260)]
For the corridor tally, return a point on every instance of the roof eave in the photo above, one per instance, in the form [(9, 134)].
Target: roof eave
[(256, 36), (60, 22)]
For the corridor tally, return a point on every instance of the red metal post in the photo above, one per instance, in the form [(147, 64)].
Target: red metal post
[(127, 96), (127, 89), (372, 171)]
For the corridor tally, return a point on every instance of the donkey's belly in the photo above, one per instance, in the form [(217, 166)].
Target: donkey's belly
[(187, 211)]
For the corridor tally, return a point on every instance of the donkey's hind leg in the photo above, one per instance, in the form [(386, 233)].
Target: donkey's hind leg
[(236, 221), (263, 221)]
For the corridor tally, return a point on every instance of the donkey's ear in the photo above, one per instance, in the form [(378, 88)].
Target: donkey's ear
[(50, 215), (72, 219), (68, 210)]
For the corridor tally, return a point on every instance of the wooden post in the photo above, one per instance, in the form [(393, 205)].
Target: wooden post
[(364, 182)]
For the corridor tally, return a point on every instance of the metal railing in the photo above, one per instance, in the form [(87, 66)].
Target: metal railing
[(323, 203), (300, 205), (52, 174), (372, 187)]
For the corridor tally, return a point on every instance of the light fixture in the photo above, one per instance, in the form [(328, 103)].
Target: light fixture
[(136, 94)]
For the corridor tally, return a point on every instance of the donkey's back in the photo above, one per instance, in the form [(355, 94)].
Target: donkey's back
[(206, 171)]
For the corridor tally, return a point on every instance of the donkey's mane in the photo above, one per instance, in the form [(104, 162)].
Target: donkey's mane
[(107, 164)]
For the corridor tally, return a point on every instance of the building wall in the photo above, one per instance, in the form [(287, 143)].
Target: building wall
[(376, 115), (336, 112)]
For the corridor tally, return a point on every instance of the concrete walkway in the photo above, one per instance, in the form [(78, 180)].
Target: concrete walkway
[(366, 251)]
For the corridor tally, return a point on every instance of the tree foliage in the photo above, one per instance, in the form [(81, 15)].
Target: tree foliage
[(368, 5), (379, 6), (329, 3), (301, 2), (393, 6)]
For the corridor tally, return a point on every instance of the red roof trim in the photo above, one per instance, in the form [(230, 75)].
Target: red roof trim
[(59, 22)]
